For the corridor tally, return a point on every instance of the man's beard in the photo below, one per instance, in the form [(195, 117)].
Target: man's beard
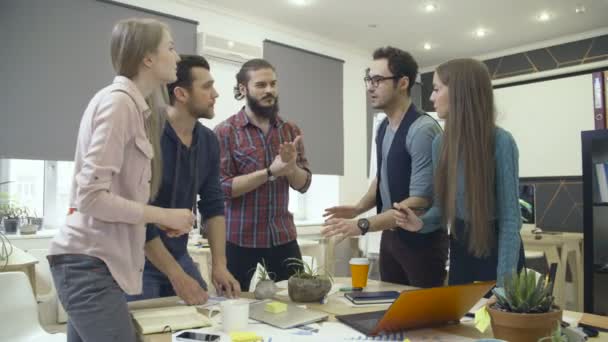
[(268, 112)]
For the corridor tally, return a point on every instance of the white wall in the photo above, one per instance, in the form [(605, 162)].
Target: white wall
[(546, 120), (253, 31)]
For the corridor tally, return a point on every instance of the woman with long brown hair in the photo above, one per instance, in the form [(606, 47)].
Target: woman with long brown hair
[(98, 255), (476, 178)]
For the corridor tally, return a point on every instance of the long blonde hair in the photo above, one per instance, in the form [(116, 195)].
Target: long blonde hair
[(469, 141), (157, 102), (132, 39)]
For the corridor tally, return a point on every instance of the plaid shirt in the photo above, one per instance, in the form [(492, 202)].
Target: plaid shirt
[(259, 218)]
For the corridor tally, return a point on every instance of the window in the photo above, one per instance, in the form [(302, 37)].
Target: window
[(24, 187), (42, 187), (323, 193), (58, 182)]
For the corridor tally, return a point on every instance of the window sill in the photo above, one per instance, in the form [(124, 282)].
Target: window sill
[(44, 233)]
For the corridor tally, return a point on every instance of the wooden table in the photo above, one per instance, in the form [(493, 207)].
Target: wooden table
[(20, 261), (565, 249), (337, 307)]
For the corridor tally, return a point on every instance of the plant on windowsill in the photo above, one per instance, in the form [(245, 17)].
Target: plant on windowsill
[(31, 222), (265, 287), (11, 217), (524, 310), (307, 284)]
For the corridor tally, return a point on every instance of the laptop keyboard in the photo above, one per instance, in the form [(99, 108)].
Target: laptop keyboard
[(367, 324), (364, 322)]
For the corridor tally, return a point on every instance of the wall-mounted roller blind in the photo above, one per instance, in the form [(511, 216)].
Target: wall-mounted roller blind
[(311, 95), (55, 55)]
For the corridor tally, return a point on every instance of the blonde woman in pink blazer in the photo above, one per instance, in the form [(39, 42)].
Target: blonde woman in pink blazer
[(98, 255)]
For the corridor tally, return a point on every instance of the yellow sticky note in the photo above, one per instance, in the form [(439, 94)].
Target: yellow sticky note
[(275, 307), (245, 337), (407, 340), (482, 319)]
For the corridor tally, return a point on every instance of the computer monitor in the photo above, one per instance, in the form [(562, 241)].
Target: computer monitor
[(526, 203)]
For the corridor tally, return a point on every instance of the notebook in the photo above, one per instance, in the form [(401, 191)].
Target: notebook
[(372, 297), (167, 319)]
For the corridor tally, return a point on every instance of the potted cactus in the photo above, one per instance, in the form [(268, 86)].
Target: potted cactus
[(307, 284), (524, 309), (265, 287)]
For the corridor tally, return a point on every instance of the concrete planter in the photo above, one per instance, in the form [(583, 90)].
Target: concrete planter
[(265, 289), (306, 290)]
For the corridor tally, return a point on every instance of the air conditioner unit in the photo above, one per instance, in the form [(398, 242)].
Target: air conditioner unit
[(226, 49)]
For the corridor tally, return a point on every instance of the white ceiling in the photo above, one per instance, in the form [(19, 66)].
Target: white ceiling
[(405, 24)]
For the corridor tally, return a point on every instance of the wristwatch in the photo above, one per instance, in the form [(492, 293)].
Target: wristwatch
[(271, 177), (363, 225)]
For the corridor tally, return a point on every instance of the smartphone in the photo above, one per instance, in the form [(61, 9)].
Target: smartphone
[(196, 336)]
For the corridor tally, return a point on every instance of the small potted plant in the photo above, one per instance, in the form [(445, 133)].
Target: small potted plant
[(31, 222), (11, 216), (306, 284), (265, 287), (524, 309)]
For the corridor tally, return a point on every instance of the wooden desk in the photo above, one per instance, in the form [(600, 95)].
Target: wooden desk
[(565, 249), (337, 307), (21, 261)]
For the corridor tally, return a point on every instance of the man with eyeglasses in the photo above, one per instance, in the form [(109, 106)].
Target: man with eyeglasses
[(404, 175)]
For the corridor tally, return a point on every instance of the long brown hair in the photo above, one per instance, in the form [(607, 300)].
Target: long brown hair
[(468, 145), (132, 39)]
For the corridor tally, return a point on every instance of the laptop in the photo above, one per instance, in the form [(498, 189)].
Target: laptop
[(420, 309), (292, 317)]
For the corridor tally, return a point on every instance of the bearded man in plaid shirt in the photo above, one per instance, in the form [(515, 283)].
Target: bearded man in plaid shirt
[(261, 156)]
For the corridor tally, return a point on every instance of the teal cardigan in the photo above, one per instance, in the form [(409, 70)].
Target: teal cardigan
[(507, 215)]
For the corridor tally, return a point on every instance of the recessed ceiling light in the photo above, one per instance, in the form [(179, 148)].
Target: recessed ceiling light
[(481, 32), (431, 7), (544, 16), (580, 9), (230, 44), (427, 46), (300, 2)]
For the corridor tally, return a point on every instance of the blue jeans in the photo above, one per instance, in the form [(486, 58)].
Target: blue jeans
[(95, 304), (156, 284)]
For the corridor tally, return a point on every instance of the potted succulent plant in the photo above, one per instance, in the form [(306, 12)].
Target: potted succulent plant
[(524, 309), (306, 284), (265, 287)]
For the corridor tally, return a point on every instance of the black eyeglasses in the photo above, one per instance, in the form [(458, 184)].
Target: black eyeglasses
[(374, 81)]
